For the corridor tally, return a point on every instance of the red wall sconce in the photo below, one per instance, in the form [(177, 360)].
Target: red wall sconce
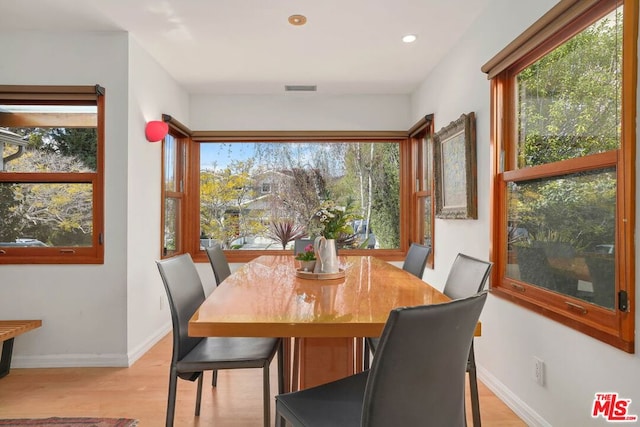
[(156, 130)]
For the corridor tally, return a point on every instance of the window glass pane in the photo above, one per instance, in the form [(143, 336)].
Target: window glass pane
[(427, 156), (170, 162), (171, 215), (427, 221), (561, 234), (246, 189), (46, 138), (46, 214), (569, 101)]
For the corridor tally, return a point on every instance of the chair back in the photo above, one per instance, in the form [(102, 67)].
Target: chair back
[(185, 294), (418, 374), (467, 276), (300, 244), (219, 263), (416, 259)]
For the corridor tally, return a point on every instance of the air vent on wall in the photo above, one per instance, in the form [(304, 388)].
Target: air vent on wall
[(300, 88)]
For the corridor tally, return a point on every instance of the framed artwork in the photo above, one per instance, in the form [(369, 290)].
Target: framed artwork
[(455, 169)]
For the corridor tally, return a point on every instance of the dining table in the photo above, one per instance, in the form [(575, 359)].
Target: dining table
[(323, 320)]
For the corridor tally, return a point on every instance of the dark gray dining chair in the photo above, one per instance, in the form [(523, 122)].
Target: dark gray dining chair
[(193, 355), (219, 263), (416, 259), (467, 276), (414, 263), (416, 379), (221, 270)]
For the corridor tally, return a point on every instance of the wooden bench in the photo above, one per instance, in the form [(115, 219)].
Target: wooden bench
[(9, 329)]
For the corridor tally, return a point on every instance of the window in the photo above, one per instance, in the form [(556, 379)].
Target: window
[(564, 132), (422, 135), (174, 150), (251, 191), (51, 174), (260, 195)]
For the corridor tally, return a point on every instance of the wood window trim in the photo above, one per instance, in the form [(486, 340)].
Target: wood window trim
[(190, 223), (30, 94), (619, 331), (423, 128), (543, 30)]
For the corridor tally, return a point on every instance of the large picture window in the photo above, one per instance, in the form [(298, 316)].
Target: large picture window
[(564, 133), (51, 174), (252, 192), (263, 195)]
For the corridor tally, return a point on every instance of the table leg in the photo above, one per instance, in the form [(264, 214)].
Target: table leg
[(325, 359), (5, 359)]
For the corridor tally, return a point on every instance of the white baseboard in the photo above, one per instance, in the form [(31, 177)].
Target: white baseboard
[(115, 360), (141, 349), (517, 405)]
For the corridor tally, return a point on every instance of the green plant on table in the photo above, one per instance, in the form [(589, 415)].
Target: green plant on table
[(308, 254)]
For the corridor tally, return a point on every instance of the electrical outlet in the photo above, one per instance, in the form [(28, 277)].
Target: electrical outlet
[(538, 371), (161, 303)]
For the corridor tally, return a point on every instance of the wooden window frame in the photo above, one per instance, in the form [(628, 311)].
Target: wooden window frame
[(61, 95), (190, 218), (565, 20), (181, 136), (421, 134)]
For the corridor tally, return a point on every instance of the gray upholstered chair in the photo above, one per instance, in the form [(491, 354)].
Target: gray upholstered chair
[(414, 263), (416, 259), (219, 263), (467, 276), (221, 270), (417, 377), (192, 355)]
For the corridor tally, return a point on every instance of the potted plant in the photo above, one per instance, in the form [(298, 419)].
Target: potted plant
[(307, 258)]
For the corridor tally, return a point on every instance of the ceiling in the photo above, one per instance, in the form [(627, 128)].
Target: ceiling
[(248, 46)]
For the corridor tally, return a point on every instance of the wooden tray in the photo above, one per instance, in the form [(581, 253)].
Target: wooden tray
[(319, 276)]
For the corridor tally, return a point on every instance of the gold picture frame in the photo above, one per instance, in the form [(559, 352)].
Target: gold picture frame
[(455, 169)]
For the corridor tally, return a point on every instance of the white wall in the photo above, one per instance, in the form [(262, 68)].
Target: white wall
[(82, 307), (98, 315), (152, 92), (300, 111), (577, 366)]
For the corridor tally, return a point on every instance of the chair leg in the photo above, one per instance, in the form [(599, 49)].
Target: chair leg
[(295, 364), (473, 388), (281, 350), (214, 380), (367, 354), (266, 394), (199, 395), (171, 402)]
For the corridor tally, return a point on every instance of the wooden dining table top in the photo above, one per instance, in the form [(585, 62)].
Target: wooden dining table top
[(265, 298)]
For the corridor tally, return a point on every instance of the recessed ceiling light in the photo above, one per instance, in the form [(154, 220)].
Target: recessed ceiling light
[(409, 38), (297, 20)]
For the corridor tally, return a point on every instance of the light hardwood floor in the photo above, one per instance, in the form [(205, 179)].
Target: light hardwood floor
[(140, 392)]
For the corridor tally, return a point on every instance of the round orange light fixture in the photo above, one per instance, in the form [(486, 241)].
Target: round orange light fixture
[(297, 20)]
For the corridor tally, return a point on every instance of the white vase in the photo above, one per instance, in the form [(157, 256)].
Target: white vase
[(326, 255)]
